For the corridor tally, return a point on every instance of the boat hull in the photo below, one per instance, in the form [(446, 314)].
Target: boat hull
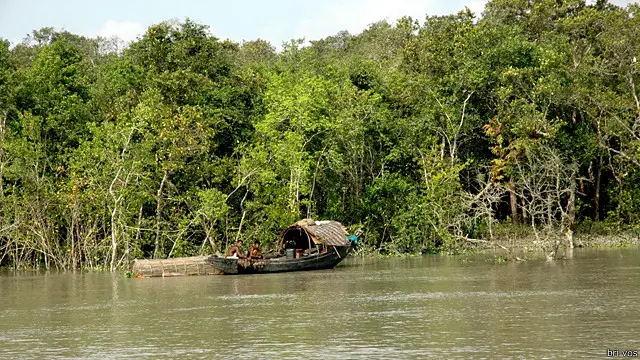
[(328, 260)]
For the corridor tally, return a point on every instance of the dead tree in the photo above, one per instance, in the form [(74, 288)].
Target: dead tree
[(547, 185)]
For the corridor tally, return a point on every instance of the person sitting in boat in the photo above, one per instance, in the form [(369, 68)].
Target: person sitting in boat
[(235, 252), (255, 252)]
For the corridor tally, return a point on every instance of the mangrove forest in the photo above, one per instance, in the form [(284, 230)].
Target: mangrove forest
[(428, 134)]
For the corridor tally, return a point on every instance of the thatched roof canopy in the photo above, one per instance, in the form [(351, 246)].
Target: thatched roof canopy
[(308, 232)]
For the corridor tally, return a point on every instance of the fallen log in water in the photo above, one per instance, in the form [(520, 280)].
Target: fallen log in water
[(194, 265)]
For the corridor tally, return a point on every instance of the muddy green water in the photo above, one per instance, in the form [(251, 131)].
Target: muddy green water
[(426, 307)]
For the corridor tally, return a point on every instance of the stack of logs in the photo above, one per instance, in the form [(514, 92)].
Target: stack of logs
[(194, 265)]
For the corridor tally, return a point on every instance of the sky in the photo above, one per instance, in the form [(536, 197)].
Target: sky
[(276, 21)]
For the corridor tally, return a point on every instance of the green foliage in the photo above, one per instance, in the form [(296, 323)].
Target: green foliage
[(417, 132)]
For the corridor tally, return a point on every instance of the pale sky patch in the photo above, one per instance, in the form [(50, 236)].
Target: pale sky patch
[(476, 6), (276, 21), (127, 31), (356, 15)]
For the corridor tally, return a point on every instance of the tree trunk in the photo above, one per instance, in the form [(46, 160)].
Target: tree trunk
[(3, 119), (114, 213), (114, 235), (117, 199), (74, 232), (596, 197), (137, 234), (2, 208), (549, 213), (571, 206), (524, 210), (159, 204), (514, 202)]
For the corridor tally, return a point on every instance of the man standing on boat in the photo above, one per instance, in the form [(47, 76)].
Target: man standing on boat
[(235, 252)]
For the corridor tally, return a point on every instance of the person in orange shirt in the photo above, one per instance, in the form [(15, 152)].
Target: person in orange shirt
[(255, 252)]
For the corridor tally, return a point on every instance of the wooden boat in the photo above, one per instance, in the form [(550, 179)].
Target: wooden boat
[(320, 245), (314, 261)]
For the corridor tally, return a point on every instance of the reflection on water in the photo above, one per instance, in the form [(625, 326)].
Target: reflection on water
[(432, 306)]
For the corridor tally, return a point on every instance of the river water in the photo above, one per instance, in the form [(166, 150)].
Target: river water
[(424, 307)]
